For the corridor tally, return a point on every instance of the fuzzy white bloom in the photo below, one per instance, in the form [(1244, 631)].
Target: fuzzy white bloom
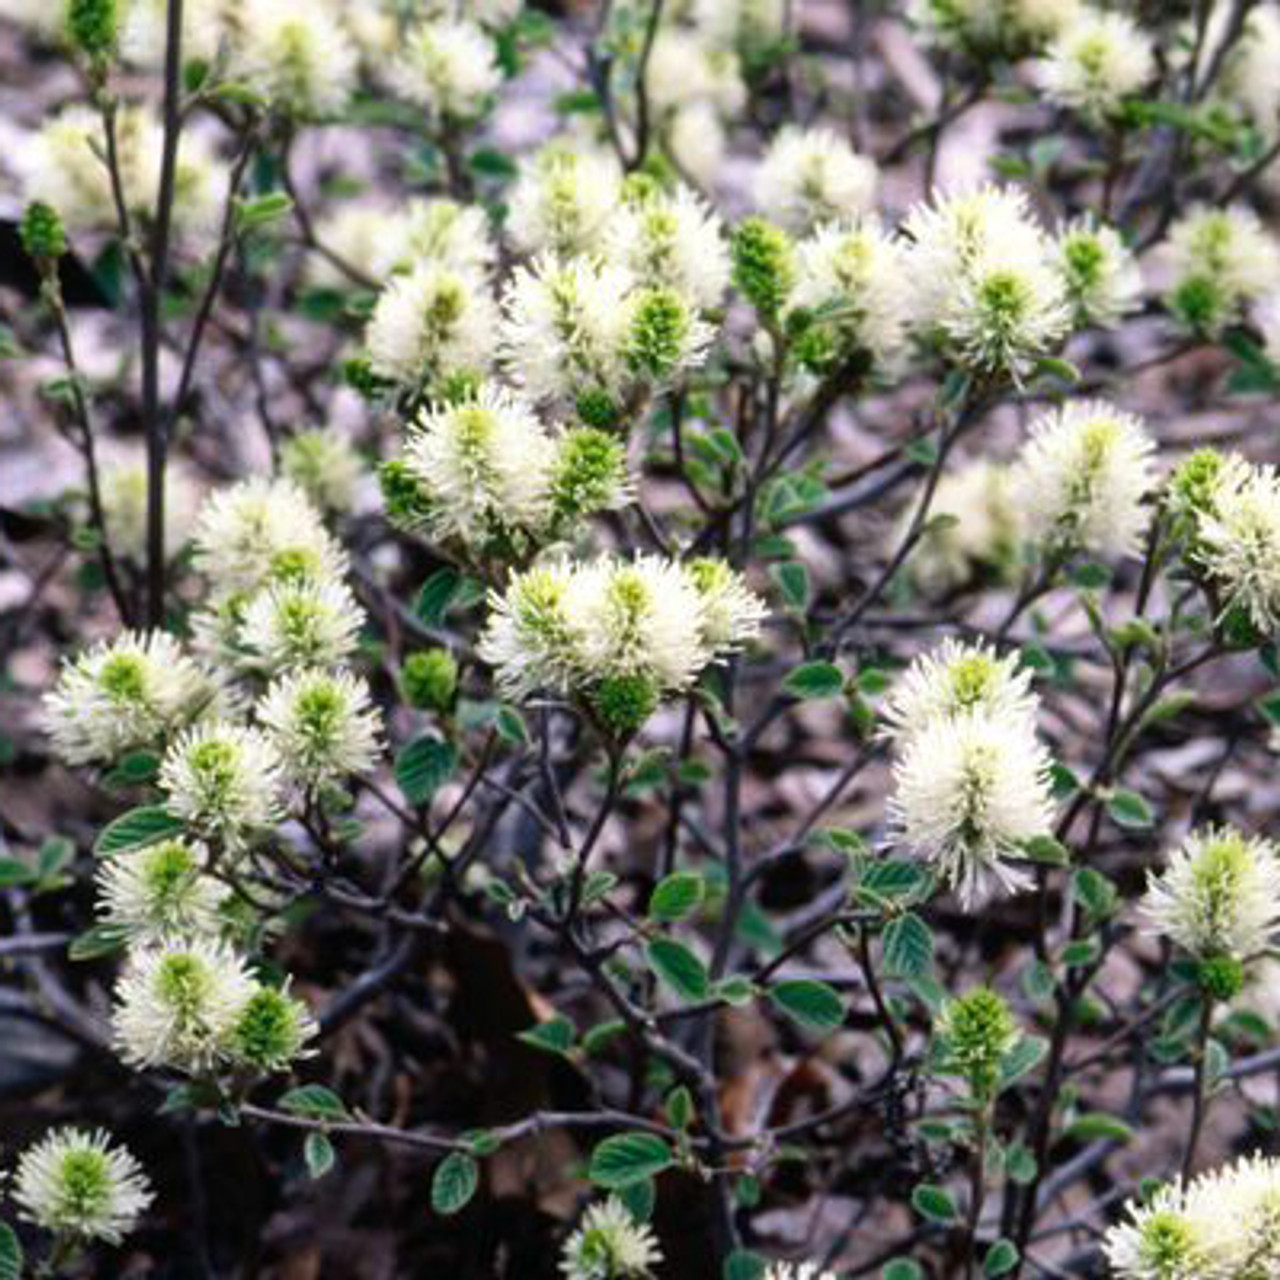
[(63, 165), (563, 200), (1238, 541), (76, 1183), (683, 71), (1162, 1241), (431, 323), (124, 694), (160, 892), (1219, 260), (302, 60), (1097, 62), (457, 235), (983, 281), (1081, 479), (988, 27), (698, 143), (123, 484), (970, 791), (177, 1005), (672, 240), (849, 277), (1101, 274), (308, 623), (565, 627), (223, 780), (980, 533), (325, 466), (143, 32), (812, 176), (798, 1271), (750, 26), (1219, 895), (610, 1244), (259, 531), (955, 680), (565, 325), (324, 725), (40, 18), (447, 67), (1248, 80)]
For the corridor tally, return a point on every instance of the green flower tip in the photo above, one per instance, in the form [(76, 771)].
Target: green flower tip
[(92, 26), (42, 233), (429, 680), (623, 703), (763, 265), (1221, 977), (979, 1029), (272, 1029)]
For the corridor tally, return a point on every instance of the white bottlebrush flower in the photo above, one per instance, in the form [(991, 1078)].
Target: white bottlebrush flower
[(1082, 477), (77, 1183), (325, 466), (665, 338), (176, 1005), (272, 1030), (160, 892), (366, 237), (529, 638), (124, 694), (1238, 541), (563, 200), (447, 67), (983, 283), (456, 235), (798, 1271), (301, 60), (684, 70), (1218, 896), (324, 725), (698, 143), (122, 481), (484, 467), (732, 613), (63, 165), (610, 1244), (143, 31), (429, 324), (987, 28), (309, 623), (970, 791), (1101, 274), (1097, 62), (979, 535), (955, 680), (1247, 82), (812, 176), (1160, 1240), (751, 27), (849, 281), (1219, 260), (672, 240), (564, 327), (223, 780), (260, 531)]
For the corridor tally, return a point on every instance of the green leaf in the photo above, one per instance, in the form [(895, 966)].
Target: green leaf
[(10, 1253), (932, 1202), (814, 680), (676, 896), (679, 968), (317, 1150), (423, 767), (491, 163), (100, 940), (511, 726), (265, 209), (137, 829), (1129, 809), (907, 947), (902, 1269), (639, 1198), (814, 1005), (679, 1107), (1045, 848), (792, 579), (743, 1264), (737, 989), (315, 1101), (454, 1182), (1097, 1124), (13, 872), (437, 595), (1023, 1057), (1020, 1164), (627, 1158), (555, 1035), (1094, 892), (891, 879), (1001, 1258)]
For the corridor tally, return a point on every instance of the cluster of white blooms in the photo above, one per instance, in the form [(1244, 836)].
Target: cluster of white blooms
[(971, 777), (984, 281), (1247, 83), (80, 1186), (813, 176), (63, 165), (638, 629), (1219, 260), (610, 1244), (485, 477), (563, 200), (1101, 274), (160, 891), (325, 466), (978, 531), (1081, 479), (447, 66), (122, 482), (1219, 895), (1224, 1225), (1095, 62), (302, 60), (990, 28)]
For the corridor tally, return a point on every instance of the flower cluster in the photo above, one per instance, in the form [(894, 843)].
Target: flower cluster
[(610, 1244), (971, 778)]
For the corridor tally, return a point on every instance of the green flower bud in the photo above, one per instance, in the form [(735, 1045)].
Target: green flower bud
[(1221, 977), (597, 409), (92, 26), (272, 1030), (406, 504), (978, 1030), (42, 233), (623, 703), (591, 469), (763, 264), (429, 680), (1201, 304), (640, 188), (659, 332)]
